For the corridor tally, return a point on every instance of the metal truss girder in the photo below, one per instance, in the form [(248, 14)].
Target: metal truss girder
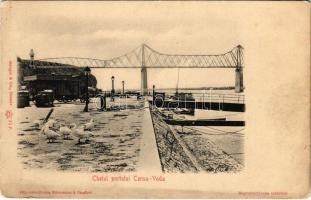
[(153, 59)]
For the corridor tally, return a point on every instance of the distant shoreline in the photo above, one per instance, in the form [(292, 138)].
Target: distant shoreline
[(195, 88), (200, 88)]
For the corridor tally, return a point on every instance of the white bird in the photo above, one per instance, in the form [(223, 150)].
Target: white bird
[(44, 126), (51, 122), (80, 132), (65, 131), (90, 125), (50, 134)]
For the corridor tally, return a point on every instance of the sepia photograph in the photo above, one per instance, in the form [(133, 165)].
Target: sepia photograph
[(70, 122), (127, 105)]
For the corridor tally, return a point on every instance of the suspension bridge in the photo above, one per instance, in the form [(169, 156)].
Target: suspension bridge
[(144, 57)]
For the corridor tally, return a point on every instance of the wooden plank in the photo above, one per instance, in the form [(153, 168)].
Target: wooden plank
[(48, 116)]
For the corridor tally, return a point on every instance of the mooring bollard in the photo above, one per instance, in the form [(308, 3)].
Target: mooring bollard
[(103, 102)]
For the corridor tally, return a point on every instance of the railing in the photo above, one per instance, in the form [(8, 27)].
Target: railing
[(208, 96)]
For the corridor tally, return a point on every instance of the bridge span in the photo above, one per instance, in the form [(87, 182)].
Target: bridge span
[(145, 57)]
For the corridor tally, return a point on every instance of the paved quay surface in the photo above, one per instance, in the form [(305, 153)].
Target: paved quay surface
[(114, 147)]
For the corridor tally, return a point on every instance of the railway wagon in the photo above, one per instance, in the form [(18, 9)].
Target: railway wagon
[(67, 82)]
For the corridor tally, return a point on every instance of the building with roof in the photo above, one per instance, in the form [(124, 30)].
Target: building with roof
[(66, 81)]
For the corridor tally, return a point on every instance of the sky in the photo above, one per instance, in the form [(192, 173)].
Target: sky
[(105, 30)]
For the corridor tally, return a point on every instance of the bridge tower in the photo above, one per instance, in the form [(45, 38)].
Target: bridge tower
[(239, 87), (144, 80)]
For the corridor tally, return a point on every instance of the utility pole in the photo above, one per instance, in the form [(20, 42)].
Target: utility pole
[(112, 88), (87, 72)]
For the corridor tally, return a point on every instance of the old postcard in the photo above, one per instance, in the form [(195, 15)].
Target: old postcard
[(155, 99)]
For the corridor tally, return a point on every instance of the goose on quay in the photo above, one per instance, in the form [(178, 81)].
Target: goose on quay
[(51, 135), (65, 131), (90, 125), (80, 132)]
